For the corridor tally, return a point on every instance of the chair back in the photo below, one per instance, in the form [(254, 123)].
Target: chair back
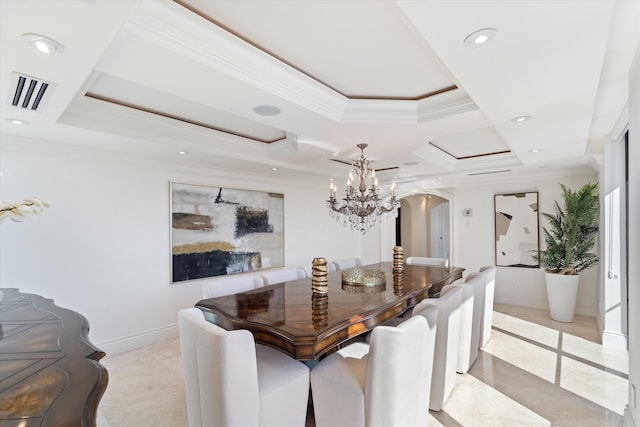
[(271, 277), (476, 282), (445, 359), (418, 260), (398, 372), (343, 264), (220, 373), (489, 273), (463, 362), (233, 284)]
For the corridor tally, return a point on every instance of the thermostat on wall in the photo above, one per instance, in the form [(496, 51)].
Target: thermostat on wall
[(467, 212)]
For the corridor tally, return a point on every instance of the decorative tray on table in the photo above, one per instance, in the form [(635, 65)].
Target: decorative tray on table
[(358, 280)]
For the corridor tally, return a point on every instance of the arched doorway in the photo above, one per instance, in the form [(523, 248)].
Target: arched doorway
[(423, 226)]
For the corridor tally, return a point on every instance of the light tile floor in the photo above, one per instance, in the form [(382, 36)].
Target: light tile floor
[(533, 372)]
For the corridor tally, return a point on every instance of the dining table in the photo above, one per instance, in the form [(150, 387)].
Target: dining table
[(307, 325)]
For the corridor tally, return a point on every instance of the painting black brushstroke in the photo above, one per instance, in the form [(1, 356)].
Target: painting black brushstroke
[(252, 221), (215, 263)]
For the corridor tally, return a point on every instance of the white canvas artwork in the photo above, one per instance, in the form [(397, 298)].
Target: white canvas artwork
[(516, 227), (217, 231)]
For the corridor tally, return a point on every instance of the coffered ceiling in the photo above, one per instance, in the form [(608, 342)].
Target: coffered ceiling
[(150, 78)]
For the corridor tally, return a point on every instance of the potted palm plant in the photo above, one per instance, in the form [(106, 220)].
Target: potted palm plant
[(569, 241)]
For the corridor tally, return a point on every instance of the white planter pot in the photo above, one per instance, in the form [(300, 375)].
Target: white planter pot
[(562, 292)]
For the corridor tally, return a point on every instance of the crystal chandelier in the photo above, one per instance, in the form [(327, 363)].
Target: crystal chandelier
[(361, 206)]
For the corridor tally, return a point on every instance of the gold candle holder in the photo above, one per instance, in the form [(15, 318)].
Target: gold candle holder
[(398, 285), (398, 260), (319, 280), (319, 310)]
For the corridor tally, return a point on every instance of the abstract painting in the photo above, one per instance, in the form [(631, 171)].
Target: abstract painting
[(217, 231), (516, 222)]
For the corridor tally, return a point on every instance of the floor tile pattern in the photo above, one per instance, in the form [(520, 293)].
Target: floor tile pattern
[(532, 372)]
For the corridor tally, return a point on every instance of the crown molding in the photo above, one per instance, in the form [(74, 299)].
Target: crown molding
[(84, 153), (174, 27), (621, 125), (492, 161), (436, 157), (95, 114), (444, 105), (178, 29), (380, 111)]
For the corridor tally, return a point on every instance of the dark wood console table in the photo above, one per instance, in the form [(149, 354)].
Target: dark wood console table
[(288, 316), (49, 371)]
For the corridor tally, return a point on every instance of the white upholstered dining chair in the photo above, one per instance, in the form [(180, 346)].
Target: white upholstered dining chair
[(382, 384), (489, 273), (419, 260), (282, 275), (232, 284), (343, 264), (471, 310), (232, 382), (445, 357)]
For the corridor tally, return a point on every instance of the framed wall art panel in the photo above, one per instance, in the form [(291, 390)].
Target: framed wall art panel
[(217, 231), (516, 227)]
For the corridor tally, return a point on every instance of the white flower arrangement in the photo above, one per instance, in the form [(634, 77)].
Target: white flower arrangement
[(20, 211)]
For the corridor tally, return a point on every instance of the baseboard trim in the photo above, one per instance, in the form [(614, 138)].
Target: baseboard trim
[(521, 303), (581, 311), (627, 419), (142, 339), (614, 339), (600, 322)]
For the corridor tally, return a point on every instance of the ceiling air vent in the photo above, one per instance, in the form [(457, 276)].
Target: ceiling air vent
[(28, 92), (489, 172)]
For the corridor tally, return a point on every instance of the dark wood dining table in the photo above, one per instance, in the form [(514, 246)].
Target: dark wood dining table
[(306, 325)]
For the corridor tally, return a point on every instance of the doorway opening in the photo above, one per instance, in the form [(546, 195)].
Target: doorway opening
[(423, 226)]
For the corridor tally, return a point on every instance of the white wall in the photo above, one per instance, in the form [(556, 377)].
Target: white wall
[(103, 247), (474, 242)]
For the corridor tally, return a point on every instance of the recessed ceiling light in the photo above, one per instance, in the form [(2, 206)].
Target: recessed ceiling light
[(266, 110), (439, 178), (535, 150), (183, 153), (521, 119), (410, 163), (274, 169), (43, 44), (480, 37), (18, 122)]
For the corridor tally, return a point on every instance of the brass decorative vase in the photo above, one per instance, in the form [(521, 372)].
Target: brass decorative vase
[(398, 260), (319, 280), (398, 285), (319, 310)]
